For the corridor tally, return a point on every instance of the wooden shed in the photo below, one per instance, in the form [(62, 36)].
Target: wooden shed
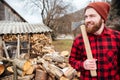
[(17, 35), (8, 13)]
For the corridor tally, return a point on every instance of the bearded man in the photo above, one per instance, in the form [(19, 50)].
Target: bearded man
[(104, 43)]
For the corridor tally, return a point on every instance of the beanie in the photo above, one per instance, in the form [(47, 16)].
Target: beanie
[(101, 7)]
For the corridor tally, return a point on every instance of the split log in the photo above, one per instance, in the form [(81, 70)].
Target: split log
[(41, 75), (10, 69), (20, 72), (22, 64), (26, 77), (30, 70), (54, 57), (62, 65), (2, 68), (50, 68), (55, 70), (64, 78), (69, 72), (7, 77), (64, 53), (5, 59)]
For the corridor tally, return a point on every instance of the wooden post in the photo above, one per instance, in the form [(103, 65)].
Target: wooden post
[(6, 52), (18, 46), (87, 48), (29, 45), (15, 72), (1, 49)]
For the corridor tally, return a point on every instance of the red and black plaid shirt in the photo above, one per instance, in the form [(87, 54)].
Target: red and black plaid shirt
[(105, 48)]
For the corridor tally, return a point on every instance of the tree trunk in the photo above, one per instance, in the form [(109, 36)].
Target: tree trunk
[(114, 18)]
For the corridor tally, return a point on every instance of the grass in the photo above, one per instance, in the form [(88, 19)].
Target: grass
[(62, 45)]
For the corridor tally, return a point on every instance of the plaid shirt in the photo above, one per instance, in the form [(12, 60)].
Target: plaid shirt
[(105, 48)]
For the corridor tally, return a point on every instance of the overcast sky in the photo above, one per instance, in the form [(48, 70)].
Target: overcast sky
[(18, 5)]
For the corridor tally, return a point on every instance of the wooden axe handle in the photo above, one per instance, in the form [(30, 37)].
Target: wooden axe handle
[(87, 48)]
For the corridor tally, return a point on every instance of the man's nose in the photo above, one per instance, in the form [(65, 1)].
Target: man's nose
[(88, 19)]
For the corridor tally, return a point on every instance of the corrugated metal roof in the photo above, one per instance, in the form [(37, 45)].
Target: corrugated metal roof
[(22, 27)]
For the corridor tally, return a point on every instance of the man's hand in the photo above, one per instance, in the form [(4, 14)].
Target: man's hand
[(90, 64)]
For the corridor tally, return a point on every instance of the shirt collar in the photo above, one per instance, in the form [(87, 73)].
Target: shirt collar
[(106, 31)]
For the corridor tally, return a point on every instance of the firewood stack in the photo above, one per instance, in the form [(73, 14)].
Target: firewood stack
[(10, 38), (48, 65), (41, 44), (56, 66)]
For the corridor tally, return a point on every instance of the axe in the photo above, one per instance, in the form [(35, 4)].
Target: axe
[(87, 48)]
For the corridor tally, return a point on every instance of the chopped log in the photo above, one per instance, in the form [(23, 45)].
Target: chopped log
[(41, 75), (69, 72), (62, 65), (50, 68), (47, 57), (30, 70), (22, 64), (20, 72), (64, 53), (24, 56), (64, 78), (48, 49), (55, 70), (7, 77), (78, 74), (10, 69), (5, 59), (54, 57), (41, 67), (26, 77), (2, 68)]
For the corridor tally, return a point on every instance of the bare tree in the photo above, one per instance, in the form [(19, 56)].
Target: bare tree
[(50, 11)]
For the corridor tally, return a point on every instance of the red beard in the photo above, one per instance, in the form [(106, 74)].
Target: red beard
[(92, 27)]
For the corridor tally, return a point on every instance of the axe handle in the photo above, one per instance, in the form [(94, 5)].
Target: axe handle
[(87, 48)]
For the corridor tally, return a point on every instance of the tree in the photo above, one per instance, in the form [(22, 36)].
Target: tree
[(51, 10), (114, 18)]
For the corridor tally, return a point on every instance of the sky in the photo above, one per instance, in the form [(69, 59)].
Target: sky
[(18, 5)]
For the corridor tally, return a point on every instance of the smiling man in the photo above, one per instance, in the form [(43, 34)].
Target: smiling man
[(104, 42)]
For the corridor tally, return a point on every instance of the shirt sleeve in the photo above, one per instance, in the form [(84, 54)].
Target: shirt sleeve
[(75, 59)]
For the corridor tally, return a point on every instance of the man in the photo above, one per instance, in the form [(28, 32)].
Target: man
[(104, 43)]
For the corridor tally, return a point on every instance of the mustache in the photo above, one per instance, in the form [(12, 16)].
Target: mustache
[(92, 23)]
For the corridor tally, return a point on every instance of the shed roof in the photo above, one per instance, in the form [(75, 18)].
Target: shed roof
[(7, 27)]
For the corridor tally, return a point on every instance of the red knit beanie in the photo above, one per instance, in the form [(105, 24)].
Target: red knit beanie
[(101, 7)]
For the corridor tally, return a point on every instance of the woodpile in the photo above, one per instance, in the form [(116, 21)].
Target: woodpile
[(48, 65), (41, 44)]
